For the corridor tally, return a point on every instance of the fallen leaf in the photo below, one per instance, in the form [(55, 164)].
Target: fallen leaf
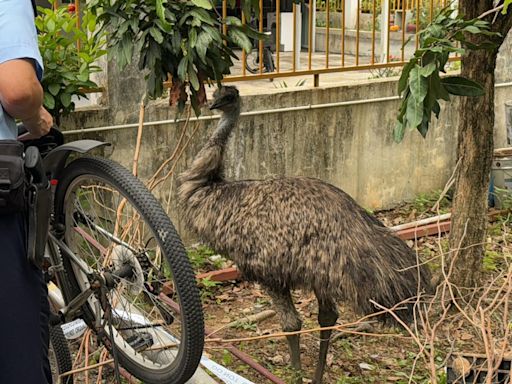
[(366, 366)]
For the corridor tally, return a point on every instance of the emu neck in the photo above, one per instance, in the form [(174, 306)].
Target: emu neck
[(207, 167), (227, 122)]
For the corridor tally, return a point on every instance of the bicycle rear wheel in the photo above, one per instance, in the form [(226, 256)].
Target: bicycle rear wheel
[(252, 61), (147, 311)]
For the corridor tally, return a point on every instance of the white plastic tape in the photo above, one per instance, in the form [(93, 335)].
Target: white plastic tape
[(227, 376), (223, 373), (74, 329)]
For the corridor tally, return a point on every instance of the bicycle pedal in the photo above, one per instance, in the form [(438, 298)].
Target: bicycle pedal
[(140, 341)]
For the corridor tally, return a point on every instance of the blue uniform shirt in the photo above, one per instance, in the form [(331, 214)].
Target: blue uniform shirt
[(18, 40)]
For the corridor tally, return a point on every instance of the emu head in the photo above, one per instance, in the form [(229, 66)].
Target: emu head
[(226, 99)]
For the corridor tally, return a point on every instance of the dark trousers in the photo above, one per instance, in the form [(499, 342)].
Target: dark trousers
[(24, 310)]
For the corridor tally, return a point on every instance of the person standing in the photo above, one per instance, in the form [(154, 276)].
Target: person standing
[(23, 300)]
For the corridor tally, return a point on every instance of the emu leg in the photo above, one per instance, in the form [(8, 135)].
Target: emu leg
[(327, 316), (290, 322)]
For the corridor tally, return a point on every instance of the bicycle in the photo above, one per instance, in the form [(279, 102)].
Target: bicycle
[(252, 60), (120, 265)]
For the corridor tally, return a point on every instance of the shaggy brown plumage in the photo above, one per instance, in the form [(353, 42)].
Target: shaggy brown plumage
[(288, 233)]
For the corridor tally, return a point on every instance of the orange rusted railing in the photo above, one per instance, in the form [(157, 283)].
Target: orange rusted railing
[(318, 37)]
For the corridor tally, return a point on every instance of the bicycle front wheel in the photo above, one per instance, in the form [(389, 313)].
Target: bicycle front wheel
[(145, 307)]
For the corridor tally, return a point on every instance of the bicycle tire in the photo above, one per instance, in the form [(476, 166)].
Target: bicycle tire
[(192, 323), (60, 347), (251, 63)]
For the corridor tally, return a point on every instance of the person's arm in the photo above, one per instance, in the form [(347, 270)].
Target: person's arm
[(21, 95)]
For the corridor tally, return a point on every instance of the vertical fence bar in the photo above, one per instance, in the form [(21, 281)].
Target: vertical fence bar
[(374, 16), (260, 28), (224, 15), (431, 10), (357, 31), (294, 30), (310, 32), (244, 54), (278, 34), (327, 31), (387, 29), (404, 26), (343, 8)]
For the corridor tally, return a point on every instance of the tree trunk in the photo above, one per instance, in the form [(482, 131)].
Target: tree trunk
[(474, 152)]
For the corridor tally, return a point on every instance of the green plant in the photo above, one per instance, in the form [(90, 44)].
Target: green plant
[(421, 86), (283, 84), (425, 201), (180, 41), (491, 260), (227, 357), (199, 256), (69, 54), (367, 6), (245, 325), (208, 287)]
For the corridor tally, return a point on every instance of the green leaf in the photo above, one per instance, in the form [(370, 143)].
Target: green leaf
[(54, 89), (50, 25), (160, 11), (192, 37), (398, 132), (414, 113), (240, 39), (156, 34), (182, 68), (402, 83), (206, 4), (505, 6), (436, 108), (472, 29), (231, 20), (418, 85), (65, 99), (192, 76), (461, 86), (203, 41), (428, 70), (49, 101)]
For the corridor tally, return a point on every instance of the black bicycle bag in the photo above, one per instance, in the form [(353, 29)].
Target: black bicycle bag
[(13, 182)]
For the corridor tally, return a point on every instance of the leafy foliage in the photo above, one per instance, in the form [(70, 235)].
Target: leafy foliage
[(69, 53), (505, 6), (182, 39), (421, 84)]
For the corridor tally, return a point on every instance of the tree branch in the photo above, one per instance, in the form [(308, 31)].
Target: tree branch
[(491, 11)]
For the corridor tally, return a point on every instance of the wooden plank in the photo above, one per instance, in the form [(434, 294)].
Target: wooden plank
[(221, 275), (426, 230)]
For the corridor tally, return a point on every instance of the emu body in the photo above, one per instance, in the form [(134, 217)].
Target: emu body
[(287, 233)]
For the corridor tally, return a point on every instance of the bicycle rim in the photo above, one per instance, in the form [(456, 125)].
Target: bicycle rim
[(151, 317)]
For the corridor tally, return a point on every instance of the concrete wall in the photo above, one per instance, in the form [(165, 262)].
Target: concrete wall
[(348, 146)]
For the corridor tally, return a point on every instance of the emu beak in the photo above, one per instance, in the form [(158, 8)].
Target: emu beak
[(217, 104)]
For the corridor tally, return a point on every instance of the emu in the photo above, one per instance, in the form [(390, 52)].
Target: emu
[(296, 232)]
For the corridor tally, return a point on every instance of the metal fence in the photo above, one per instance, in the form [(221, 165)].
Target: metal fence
[(328, 36)]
